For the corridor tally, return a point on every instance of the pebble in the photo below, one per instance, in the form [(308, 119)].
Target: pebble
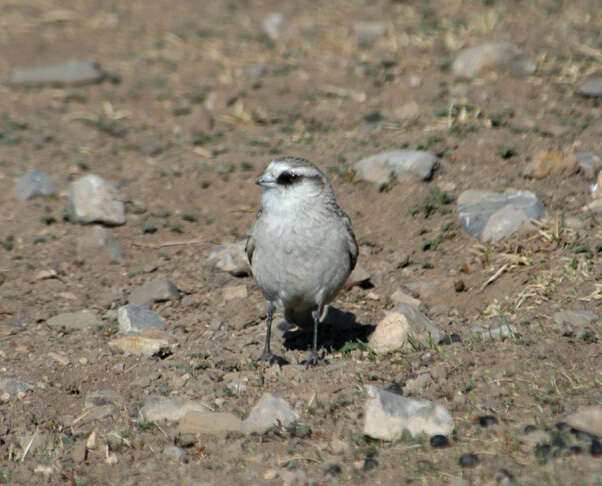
[(231, 258), (587, 419), (159, 290), (492, 216), (76, 72), (104, 397), (33, 184), (92, 199), (591, 88), (272, 25), (400, 297), (499, 57), (171, 409), (574, 318), (150, 342), (468, 460), (133, 319), (83, 319), (206, 422), (545, 164), (439, 441), (59, 358), (392, 331), (174, 451), (368, 32), (387, 415), (358, 276), (402, 165), (497, 333), (269, 411), (235, 292), (98, 243), (589, 163)]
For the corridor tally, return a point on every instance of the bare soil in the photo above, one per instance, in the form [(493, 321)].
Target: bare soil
[(178, 79)]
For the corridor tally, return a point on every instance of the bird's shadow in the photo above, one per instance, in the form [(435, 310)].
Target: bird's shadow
[(336, 328)]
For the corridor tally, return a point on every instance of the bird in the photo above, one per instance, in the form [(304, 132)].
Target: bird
[(301, 248)]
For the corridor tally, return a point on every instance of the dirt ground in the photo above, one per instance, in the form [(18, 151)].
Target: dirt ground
[(183, 127)]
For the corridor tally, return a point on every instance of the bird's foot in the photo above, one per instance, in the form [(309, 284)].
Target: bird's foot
[(314, 360), (271, 359)]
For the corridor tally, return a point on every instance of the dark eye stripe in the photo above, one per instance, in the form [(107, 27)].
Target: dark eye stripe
[(287, 178)]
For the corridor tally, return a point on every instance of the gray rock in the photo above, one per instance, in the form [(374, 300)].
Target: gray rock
[(587, 419), (206, 422), (492, 216), (591, 88), (231, 258), (34, 183), (269, 411), (272, 24), (499, 57), (401, 164), (76, 72), (159, 290), (97, 243), (174, 451), (92, 199), (368, 32), (589, 163), (400, 324), (256, 71), (169, 408), (104, 397), (574, 318), (387, 415), (358, 276), (497, 333), (12, 385), (133, 319), (75, 320)]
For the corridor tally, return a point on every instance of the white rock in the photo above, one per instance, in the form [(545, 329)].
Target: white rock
[(500, 57), (272, 24), (387, 415), (149, 343), (92, 199), (587, 419), (269, 411), (402, 164), (169, 408)]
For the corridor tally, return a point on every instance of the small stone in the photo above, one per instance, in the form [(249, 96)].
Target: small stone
[(96, 413), (270, 474), (92, 199), (498, 333), (400, 297), (400, 164), (358, 276), (487, 420), (439, 441), (171, 408), (404, 320), (150, 342), (272, 24), (175, 452), (59, 358), (588, 419), (591, 88), (134, 319), (468, 460), (500, 57), (368, 32), (76, 72), (492, 216), (91, 441), (590, 164), (45, 470), (574, 318), (234, 292), (84, 319), (387, 415), (159, 290), (104, 397), (206, 422), (79, 452), (231, 258), (269, 411), (545, 164), (97, 243), (33, 184)]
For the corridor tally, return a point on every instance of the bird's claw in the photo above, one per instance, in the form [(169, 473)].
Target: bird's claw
[(314, 360), (272, 359)]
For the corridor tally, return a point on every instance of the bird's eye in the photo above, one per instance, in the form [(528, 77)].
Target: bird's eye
[(287, 178)]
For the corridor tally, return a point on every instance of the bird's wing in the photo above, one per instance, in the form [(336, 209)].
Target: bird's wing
[(250, 245), (352, 247)]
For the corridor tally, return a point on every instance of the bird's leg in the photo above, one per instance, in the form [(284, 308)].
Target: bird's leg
[(312, 359), (267, 353)]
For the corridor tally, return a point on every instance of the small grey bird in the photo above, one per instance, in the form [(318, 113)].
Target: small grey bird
[(301, 248)]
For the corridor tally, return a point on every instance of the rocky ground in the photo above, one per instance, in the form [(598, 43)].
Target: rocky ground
[(462, 138)]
